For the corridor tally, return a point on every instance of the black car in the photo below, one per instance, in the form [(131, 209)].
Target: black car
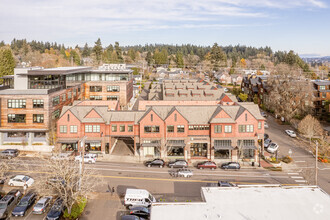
[(156, 162), (140, 211), (266, 136), (9, 153), (231, 165), (25, 203), (131, 217), (56, 211), (179, 163), (220, 184)]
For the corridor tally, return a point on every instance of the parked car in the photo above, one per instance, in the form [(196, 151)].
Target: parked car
[(21, 180), (267, 142), (266, 125), (221, 184), (156, 162), (9, 153), (87, 159), (131, 217), (207, 164), (266, 136), (42, 204), (231, 166), (179, 163), (291, 133), (263, 114), (25, 203), (8, 202), (140, 211), (272, 148), (62, 156), (56, 211), (226, 90)]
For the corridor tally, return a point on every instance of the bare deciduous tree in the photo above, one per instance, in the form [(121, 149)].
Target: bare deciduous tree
[(290, 94), (66, 180), (4, 168), (310, 127)]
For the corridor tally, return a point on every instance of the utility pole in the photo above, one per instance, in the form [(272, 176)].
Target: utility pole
[(81, 164), (316, 160)]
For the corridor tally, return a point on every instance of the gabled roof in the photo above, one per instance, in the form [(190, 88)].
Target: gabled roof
[(173, 110), (147, 112)]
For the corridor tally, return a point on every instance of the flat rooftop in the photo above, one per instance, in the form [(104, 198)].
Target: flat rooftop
[(57, 70), (257, 202)]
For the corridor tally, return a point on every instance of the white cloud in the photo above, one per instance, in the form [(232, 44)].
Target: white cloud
[(63, 18)]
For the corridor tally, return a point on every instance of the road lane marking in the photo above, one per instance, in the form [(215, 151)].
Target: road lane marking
[(300, 161), (301, 181), (293, 173), (297, 177)]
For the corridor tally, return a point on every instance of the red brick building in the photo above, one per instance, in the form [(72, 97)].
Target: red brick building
[(228, 131)]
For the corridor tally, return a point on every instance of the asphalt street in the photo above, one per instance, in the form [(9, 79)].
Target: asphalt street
[(303, 160)]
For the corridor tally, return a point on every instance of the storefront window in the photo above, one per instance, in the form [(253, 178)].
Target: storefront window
[(93, 146), (198, 149), (222, 154), (175, 151), (69, 147)]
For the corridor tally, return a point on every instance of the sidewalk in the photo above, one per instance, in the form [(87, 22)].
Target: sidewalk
[(103, 206)]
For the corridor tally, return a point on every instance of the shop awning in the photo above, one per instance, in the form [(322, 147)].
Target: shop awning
[(253, 147), (67, 141), (92, 141), (223, 147), (150, 144), (176, 143)]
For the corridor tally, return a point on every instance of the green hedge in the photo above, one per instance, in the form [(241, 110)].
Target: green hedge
[(76, 210)]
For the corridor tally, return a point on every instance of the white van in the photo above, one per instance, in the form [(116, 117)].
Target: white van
[(138, 197)]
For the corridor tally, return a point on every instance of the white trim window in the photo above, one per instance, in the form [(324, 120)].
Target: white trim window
[(228, 128), (88, 128), (73, 129), (63, 129)]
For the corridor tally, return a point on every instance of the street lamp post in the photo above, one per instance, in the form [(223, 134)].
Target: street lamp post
[(316, 160), (82, 154)]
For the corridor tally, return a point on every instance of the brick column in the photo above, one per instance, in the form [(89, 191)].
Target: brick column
[(234, 156)]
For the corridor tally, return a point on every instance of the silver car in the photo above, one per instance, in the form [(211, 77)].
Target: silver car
[(185, 173), (41, 206)]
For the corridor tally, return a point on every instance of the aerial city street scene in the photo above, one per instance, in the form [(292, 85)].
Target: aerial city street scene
[(165, 110)]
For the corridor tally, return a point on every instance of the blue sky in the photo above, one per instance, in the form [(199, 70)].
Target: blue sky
[(300, 25)]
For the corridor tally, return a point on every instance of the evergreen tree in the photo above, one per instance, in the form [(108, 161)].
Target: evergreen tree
[(217, 57), (75, 57), (118, 52), (7, 62), (149, 58), (98, 50), (86, 51), (2, 43), (132, 54), (179, 60)]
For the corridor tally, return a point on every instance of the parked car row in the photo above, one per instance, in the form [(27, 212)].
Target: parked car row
[(270, 146), (13, 204), (181, 163)]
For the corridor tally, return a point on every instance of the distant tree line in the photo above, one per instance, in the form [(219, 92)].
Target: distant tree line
[(182, 56)]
